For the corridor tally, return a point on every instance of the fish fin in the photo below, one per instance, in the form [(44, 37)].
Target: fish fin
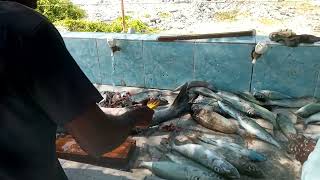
[(178, 88), (182, 98)]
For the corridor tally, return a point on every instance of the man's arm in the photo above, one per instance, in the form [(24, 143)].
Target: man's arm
[(98, 133), (68, 97)]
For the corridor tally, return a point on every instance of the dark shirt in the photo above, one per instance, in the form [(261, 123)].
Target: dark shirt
[(41, 86)]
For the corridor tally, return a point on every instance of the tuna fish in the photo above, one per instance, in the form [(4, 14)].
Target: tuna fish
[(211, 103), (179, 107), (312, 119), (204, 92), (264, 95), (248, 124), (194, 84), (173, 171), (205, 116), (145, 96), (243, 165), (286, 126), (292, 103), (249, 153), (179, 159), (308, 110), (247, 107), (208, 158), (249, 97)]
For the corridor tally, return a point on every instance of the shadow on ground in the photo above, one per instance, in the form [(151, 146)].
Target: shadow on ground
[(90, 174)]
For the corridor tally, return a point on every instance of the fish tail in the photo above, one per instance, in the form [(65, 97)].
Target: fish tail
[(182, 99)]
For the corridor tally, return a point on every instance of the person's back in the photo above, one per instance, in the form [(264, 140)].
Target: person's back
[(42, 87), (27, 134)]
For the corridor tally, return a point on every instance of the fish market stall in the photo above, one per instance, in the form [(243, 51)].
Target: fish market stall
[(218, 115)]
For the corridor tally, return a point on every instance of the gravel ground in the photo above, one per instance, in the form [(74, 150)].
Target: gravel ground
[(205, 16)]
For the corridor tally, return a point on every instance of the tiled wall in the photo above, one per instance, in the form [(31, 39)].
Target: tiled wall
[(226, 62)]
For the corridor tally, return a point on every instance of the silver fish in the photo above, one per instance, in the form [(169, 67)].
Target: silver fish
[(179, 159), (292, 103), (193, 84), (248, 107), (179, 107), (174, 171), (144, 96), (205, 116), (312, 119), (264, 95), (286, 126), (249, 97), (204, 92), (289, 112), (243, 165), (249, 153), (308, 110), (208, 103), (248, 124), (208, 158)]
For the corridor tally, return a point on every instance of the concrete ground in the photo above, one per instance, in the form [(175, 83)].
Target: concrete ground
[(80, 171)]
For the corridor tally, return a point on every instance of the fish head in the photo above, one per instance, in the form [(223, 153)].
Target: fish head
[(259, 96)]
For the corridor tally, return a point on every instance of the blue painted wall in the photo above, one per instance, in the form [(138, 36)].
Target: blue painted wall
[(226, 62)]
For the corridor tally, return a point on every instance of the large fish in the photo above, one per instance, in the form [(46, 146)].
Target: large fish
[(208, 158), (174, 171), (249, 153), (312, 119), (193, 84), (204, 92), (264, 95), (208, 102), (179, 159), (247, 107), (289, 112), (144, 96), (308, 110), (249, 97), (205, 116), (286, 126), (179, 107), (291, 103), (248, 124), (243, 165)]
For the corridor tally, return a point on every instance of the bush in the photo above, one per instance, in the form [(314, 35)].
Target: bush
[(114, 26), (56, 10), (64, 13)]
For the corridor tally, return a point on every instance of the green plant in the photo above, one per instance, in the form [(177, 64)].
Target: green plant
[(114, 26), (56, 10)]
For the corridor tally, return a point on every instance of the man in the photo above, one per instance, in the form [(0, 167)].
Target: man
[(42, 87)]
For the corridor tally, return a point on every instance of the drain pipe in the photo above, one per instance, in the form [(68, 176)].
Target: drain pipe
[(112, 43), (260, 48)]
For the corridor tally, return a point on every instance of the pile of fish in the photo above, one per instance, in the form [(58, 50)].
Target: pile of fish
[(265, 115)]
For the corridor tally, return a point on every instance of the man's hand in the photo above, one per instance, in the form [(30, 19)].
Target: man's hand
[(141, 116)]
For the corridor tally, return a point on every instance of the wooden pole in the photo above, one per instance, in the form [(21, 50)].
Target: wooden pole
[(123, 17), (207, 36)]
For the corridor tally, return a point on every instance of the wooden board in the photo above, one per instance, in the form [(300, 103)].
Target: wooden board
[(67, 148)]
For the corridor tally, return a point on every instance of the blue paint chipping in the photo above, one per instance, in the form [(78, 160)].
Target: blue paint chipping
[(225, 62)]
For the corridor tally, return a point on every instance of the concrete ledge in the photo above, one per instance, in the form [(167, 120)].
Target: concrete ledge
[(226, 62)]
